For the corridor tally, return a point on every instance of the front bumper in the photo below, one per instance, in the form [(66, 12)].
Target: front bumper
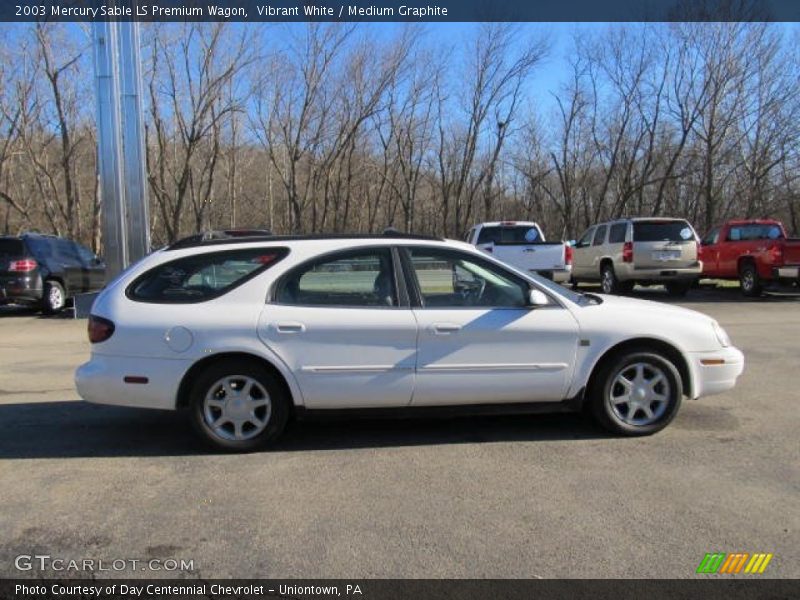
[(715, 372), (102, 381)]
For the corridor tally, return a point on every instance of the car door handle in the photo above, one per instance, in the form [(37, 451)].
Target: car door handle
[(445, 328), (290, 327)]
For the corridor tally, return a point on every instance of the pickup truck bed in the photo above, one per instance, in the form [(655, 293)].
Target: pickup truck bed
[(756, 252), (523, 246)]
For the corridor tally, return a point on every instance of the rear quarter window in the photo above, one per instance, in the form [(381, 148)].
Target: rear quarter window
[(202, 277), (41, 248), (616, 235)]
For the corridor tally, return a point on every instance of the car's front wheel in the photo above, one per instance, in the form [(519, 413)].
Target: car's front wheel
[(238, 405), (636, 393)]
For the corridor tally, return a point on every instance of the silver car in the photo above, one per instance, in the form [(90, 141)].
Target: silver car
[(646, 251)]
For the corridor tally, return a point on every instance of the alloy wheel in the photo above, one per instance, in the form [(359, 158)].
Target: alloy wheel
[(56, 297), (237, 408), (639, 394), (607, 281)]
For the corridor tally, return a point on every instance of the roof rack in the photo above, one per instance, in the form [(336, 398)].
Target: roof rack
[(201, 240)]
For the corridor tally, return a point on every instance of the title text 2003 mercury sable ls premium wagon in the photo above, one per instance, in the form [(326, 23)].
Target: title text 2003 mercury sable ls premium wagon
[(246, 333)]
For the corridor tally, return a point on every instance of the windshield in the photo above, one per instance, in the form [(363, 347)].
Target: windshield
[(509, 234), (663, 231)]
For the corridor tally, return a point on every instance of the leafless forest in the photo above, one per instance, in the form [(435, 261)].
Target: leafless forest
[(331, 128)]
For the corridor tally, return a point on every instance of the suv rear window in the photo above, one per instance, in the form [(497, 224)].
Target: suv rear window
[(202, 277), (11, 248), (662, 231), (509, 234)]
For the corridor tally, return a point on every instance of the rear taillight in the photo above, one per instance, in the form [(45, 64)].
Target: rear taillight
[(776, 254), (627, 252), (100, 329), (26, 265), (567, 254)]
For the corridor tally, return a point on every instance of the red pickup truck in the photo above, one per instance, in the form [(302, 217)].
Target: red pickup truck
[(754, 251)]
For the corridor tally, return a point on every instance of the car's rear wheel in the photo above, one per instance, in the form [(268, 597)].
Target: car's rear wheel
[(636, 393), (608, 279), (238, 406), (749, 280), (54, 297)]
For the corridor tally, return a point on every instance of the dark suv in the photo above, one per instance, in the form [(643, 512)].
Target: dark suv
[(45, 271)]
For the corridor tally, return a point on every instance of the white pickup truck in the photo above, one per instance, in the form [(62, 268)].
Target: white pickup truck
[(521, 244)]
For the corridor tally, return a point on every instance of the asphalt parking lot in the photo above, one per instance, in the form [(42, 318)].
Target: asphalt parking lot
[(538, 496)]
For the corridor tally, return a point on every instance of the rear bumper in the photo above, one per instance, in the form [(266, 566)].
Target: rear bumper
[(20, 290), (102, 381), (786, 275), (559, 275), (715, 372), (629, 272)]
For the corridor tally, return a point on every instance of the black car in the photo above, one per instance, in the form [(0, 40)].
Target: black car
[(45, 271)]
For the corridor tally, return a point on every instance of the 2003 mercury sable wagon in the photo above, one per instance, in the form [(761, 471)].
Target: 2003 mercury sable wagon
[(246, 333)]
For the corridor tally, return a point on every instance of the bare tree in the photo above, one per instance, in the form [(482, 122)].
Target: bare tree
[(190, 79)]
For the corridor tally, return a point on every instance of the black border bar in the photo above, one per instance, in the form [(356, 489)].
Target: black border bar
[(400, 10), (710, 588)]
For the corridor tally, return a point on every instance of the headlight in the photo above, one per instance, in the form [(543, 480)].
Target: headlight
[(722, 335)]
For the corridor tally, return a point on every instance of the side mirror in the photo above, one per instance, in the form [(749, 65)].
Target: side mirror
[(537, 298)]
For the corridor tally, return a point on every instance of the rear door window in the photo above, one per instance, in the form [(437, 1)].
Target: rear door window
[(360, 278), (202, 277), (599, 235), (663, 231)]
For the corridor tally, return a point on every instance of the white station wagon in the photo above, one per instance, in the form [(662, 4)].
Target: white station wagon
[(245, 334)]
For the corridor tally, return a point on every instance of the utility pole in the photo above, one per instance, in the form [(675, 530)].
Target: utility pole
[(120, 143)]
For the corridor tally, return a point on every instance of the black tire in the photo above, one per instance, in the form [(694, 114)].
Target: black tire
[(615, 417), (608, 279), (275, 413), (54, 297), (749, 280), (677, 288)]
